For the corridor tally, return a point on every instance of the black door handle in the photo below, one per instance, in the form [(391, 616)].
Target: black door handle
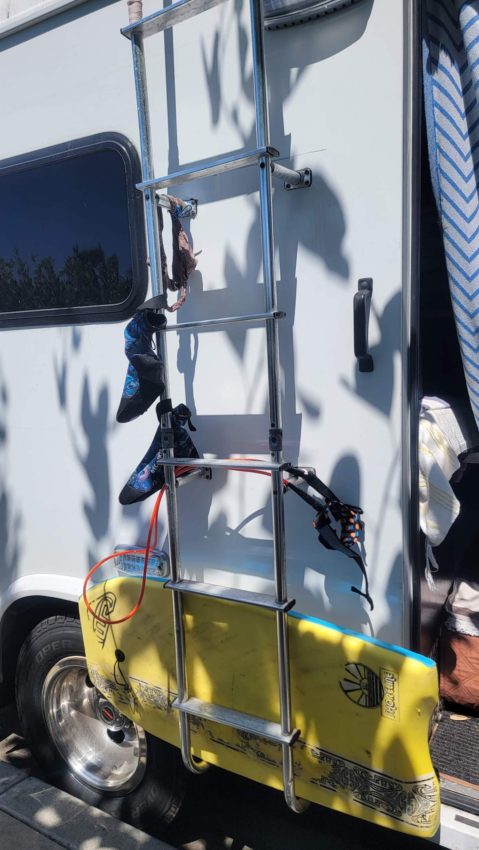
[(361, 309)]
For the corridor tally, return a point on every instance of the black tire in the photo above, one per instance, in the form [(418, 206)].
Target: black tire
[(156, 799)]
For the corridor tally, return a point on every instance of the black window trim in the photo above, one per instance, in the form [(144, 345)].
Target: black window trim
[(102, 312)]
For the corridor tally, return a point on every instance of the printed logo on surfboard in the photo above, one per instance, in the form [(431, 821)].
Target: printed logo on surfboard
[(390, 703), (103, 607), (362, 685)]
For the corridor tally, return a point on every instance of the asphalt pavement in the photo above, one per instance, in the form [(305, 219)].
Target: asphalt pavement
[(35, 816)]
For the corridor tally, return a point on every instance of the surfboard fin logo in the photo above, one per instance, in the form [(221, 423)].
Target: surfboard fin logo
[(362, 685)]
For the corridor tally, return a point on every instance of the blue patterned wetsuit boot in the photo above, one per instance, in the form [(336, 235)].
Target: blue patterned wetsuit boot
[(148, 476), (143, 382)]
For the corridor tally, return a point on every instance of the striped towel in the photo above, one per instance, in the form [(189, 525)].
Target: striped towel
[(451, 86)]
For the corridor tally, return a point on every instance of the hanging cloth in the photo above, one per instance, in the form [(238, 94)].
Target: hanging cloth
[(440, 444), (184, 261), (451, 82)]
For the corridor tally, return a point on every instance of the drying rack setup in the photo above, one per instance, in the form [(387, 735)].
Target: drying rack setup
[(264, 157)]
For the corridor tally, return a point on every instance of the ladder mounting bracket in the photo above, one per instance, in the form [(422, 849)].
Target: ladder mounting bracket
[(305, 182), (201, 472), (295, 479), (301, 179)]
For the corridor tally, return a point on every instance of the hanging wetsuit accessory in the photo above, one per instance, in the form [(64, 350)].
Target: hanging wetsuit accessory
[(183, 262), (331, 508), (143, 383), (148, 476)]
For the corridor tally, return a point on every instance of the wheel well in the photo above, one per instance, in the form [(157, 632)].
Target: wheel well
[(17, 622)]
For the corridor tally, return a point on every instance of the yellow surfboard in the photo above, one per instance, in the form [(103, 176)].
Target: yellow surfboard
[(364, 707)]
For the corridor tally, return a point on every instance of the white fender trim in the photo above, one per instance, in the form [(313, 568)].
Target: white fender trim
[(54, 586)]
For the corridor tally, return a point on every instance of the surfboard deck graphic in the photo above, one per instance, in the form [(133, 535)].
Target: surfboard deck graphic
[(363, 707)]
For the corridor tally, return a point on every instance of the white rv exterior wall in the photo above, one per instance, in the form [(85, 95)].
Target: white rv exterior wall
[(337, 107)]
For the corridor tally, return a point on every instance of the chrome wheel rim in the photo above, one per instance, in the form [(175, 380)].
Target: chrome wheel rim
[(102, 748)]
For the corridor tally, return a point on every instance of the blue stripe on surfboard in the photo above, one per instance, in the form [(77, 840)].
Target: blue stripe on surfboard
[(408, 653)]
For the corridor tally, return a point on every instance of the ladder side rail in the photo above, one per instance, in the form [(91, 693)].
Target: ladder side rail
[(274, 388), (141, 90), (139, 69), (274, 393), (270, 298), (279, 536)]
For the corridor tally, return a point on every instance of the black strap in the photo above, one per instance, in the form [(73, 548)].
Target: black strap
[(183, 412), (310, 500), (163, 406), (316, 484), (328, 537), (326, 533)]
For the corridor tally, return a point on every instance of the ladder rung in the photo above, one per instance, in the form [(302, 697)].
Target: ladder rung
[(169, 17), (226, 320), (208, 168), (232, 594), (228, 463), (237, 720)]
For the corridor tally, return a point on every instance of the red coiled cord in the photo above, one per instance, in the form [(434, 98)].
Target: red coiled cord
[(152, 531)]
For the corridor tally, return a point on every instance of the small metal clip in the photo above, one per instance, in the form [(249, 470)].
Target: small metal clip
[(275, 439), (166, 438)]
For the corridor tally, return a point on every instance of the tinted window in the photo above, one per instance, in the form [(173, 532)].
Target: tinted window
[(66, 240)]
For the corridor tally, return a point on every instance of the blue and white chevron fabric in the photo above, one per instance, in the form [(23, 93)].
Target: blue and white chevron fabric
[(451, 91)]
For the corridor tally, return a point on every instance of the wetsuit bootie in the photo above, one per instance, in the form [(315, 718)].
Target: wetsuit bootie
[(143, 383), (148, 476)]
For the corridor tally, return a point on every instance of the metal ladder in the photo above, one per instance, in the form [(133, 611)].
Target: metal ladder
[(283, 732)]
